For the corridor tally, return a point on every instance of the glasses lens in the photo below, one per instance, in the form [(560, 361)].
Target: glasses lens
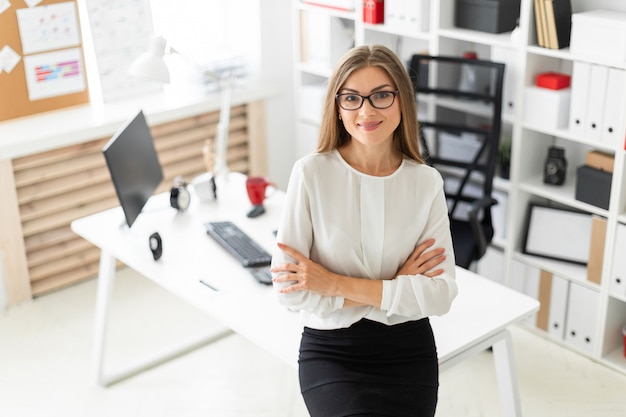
[(349, 101), (382, 99)]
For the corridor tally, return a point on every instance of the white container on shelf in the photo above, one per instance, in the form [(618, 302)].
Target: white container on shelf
[(599, 33), (546, 108)]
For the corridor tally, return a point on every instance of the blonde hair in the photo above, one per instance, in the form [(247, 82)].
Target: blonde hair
[(332, 132)]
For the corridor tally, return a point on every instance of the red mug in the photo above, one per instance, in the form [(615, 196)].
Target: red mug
[(257, 189)]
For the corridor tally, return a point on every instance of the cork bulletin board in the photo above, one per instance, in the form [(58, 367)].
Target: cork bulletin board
[(42, 64)]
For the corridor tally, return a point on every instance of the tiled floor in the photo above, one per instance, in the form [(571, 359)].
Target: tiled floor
[(45, 367)]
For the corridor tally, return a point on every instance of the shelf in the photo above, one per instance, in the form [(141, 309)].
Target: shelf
[(570, 271), (469, 107), (426, 36), (553, 53), (501, 184), (563, 194), (565, 54), (484, 38), (618, 297), (498, 243), (566, 134), (616, 359)]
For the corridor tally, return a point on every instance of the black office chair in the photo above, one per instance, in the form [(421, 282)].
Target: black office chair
[(459, 133)]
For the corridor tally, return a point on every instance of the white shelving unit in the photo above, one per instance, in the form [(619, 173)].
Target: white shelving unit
[(605, 310)]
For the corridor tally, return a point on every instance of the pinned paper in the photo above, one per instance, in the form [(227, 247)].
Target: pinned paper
[(54, 74), (8, 58), (4, 4), (50, 27), (32, 3)]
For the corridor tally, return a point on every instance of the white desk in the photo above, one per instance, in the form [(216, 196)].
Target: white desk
[(479, 317)]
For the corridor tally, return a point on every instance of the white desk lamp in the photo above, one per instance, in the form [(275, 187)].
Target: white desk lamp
[(152, 66)]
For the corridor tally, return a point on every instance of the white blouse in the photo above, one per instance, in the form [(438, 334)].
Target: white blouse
[(365, 226)]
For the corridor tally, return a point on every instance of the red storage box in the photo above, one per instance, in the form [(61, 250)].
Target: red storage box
[(374, 11), (553, 80)]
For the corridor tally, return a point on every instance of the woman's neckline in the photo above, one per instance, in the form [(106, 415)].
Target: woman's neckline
[(386, 174)]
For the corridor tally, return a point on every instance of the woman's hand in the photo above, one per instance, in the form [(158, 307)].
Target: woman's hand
[(422, 261), (304, 274)]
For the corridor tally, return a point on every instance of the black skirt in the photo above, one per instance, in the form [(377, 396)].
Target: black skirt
[(370, 369)]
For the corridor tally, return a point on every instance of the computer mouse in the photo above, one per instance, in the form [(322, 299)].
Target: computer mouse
[(256, 211)]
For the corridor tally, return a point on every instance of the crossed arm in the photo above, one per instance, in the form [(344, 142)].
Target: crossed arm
[(306, 275)]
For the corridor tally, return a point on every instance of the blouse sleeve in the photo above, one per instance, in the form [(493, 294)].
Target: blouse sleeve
[(418, 295), (296, 230)]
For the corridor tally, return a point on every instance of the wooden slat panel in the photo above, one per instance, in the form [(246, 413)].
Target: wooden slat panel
[(67, 278), (174, 155), (77, 197), (64, 264), (58, 169), (63, 218), (49, 238), (58, 155), (62, 185), (165, 129), (189, 136), (49, 254)]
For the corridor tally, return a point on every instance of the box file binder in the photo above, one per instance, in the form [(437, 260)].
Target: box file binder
[(408, 17), (613, 123), (545, 289), (595, 103), (559, 294), (508, 57), (596, 249), (581, 73), (581, 318), (617, 286), (558, 16), (540, 22)]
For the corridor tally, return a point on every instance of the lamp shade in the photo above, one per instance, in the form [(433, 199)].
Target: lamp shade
[(150, 64)]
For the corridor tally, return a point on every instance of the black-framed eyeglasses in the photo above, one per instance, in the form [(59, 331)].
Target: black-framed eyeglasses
[(379, 100)]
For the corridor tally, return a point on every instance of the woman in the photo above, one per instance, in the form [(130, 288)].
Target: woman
[(364, 249)]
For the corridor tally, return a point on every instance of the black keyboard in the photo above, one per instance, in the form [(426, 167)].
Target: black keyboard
[(238, 244), (263, 275)]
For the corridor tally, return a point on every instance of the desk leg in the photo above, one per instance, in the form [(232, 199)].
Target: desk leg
[(106, 277), (507, 376)]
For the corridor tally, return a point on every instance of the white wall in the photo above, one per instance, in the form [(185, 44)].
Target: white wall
[(263, 34), (277, 66)]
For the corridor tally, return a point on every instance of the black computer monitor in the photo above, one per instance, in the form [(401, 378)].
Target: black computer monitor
[(134, 166)]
